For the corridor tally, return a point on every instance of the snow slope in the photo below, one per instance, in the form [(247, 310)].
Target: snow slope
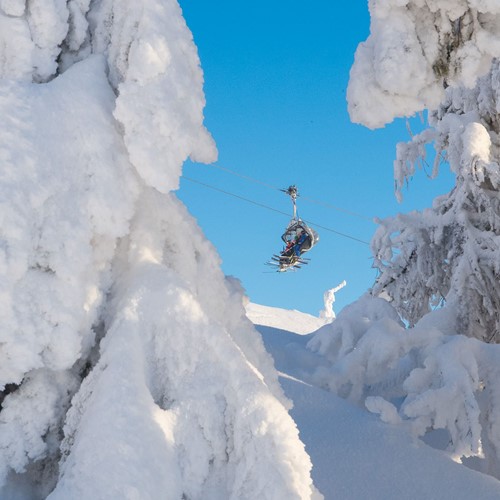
[(355, 455)]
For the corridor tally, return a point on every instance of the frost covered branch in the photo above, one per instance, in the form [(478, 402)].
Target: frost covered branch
[(449, 253)]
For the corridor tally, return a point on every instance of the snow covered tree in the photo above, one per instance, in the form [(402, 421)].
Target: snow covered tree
[(449, 253), (127, 366), (329, 298), (440, 56), (421, 54)]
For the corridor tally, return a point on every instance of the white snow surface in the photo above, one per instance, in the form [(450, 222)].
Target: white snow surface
[(291, 320), (356, 455)]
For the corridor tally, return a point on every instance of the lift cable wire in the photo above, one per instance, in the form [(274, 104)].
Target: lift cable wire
[(311, 200), (271, 208)]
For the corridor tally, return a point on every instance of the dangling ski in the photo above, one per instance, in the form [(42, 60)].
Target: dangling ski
[(283, 265)]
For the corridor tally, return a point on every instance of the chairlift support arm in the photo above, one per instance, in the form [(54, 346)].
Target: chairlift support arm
[(293, 192)]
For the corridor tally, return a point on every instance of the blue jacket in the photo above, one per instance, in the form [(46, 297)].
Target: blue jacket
[(298, 244)]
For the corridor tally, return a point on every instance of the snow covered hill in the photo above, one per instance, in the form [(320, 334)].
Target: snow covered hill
[(355, 455)]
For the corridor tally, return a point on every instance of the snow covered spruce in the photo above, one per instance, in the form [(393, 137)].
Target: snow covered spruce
[(449, 254), (440, 268), (443, 58), (440, 386), (128, 368)]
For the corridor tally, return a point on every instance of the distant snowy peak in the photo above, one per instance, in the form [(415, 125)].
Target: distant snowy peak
[(284, 319)]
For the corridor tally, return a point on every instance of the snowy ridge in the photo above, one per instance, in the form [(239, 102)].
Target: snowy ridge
[(285, 319)]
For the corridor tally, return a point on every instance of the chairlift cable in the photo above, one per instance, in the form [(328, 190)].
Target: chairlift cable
[(271, 208), (246, 177), (311, 200)]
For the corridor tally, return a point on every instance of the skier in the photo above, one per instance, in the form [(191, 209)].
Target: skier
[(302, 242)]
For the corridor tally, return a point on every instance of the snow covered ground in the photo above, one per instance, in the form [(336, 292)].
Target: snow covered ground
[(355, 455)]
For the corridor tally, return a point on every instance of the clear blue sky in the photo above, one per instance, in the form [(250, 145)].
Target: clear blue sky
[(276, 75)]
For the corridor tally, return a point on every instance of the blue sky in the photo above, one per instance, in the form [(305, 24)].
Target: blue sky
[(276, 75)]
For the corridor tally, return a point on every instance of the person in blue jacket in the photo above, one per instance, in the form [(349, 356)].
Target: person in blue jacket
[(301, 238)]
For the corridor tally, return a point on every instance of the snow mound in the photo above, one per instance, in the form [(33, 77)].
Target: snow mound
[(426, 378)]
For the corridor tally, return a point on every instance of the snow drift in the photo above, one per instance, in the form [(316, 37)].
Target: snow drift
[(128, 365)]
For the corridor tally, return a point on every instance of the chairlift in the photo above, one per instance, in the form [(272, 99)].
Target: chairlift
[(298, 238)]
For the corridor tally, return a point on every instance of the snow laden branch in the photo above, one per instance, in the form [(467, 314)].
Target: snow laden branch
[(415, 50), (40, 40), (449, 253), (425, 378), (443, 57)]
